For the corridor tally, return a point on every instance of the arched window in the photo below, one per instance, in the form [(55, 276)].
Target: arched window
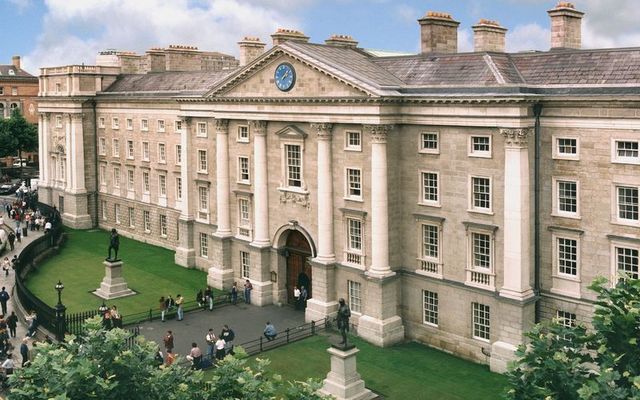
[(14, 106)]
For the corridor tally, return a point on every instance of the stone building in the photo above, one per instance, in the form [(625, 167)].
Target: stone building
[(452, 198)]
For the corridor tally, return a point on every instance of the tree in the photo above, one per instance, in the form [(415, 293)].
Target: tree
[(110, 365), (17, 136), (567, 363)]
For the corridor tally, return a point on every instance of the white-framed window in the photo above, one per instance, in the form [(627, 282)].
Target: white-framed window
[(202, 161), (162, 185), (480, 146), (244, 170), (101, 122), (14, 90), (144, 124), (625, 151), (481, 321), (244, 217), (129, 124), (245, 264), (132, 217), (163, 225), (626, 204), (566, 318), (353, 140), (203, 199), (480, 256), (146, 221), (204, 245), (178, 154), (430, 142), (130, 179), (115, 123), (353, 181), (116, 177), (430, 248), (178, 125), (480, 199), (130, 150), (566, 148), (293, 163), (625, 261), (145, 182), (430, 188), (160, 124), (145, 151), (103, 174), (58, 121), (116, 148), (567, 255), (58, 87), (116, 213), (355, 245), (355, 296), (162, 153), (103, 206), (430, 307), (565, 199), (102, 146), (178, 188), (243, 133), (201, 129)]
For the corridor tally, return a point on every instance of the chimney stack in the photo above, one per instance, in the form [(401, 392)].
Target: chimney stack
[(250, 49), (15, 60), (342, 41), (282, 35), (566, 26), (438, 33), (488, 36)]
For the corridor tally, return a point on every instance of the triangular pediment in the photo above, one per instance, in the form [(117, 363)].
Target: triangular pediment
[(291, 132), (257, 80)]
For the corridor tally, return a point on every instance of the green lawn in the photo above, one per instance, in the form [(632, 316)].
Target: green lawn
[(407, 371), (149, 270)]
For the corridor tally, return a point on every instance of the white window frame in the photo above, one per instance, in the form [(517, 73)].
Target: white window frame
[(201, 130), (426, 150), (354, 291), (244, 217), (355, 185), (615, 201), (132, 217), (472, 206), (146, 221), (58, 121), (348, 146), (161, 125), (204, 245), (103, 204), (245, 264), (242, 138), (102, 174), (556, 180), (129, 124), (178, 154), (241, 179), (130, 150), (480, 153), (131, 179), (286, 167), (144, 125), (430, 311), (633, 245), (203, 202), (145, 151), (558, 155), (102, 146), (162, 153), (146, 185), (615, 158), (162, 185), (481, 322), (116, 177), (566, 318), (203, 162), (162, 222), (423, 190), (178, 126), (352, 255), (562, 283), (116, 213), (178, 188), (115, 123), (101, 122), (479, 276), (428, 264), (115, 150)]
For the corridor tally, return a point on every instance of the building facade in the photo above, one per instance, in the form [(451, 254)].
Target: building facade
[(451, 198)]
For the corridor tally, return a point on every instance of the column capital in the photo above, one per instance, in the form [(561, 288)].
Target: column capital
[(77, 117), (324, 130), (44, 114), (516, 137), (378, 132), (222, 126), (258, 127)]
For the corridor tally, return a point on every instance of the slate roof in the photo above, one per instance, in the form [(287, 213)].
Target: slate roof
[(167, 82), (16, 72)]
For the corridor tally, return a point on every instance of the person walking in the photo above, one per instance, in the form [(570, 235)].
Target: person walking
[(24, 351), (163, 307), (208, 297), (270, 331), (168, 341), (4, 297), (303, 297), (12, 323), (228, 335), (210, 338), (248, 287), (179, 304), (12, 239), (234, 293)]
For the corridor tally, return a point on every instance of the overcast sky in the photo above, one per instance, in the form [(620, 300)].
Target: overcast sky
[(60, 32)]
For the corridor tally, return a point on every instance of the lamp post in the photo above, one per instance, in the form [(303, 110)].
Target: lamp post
[(103, 308), (60, 313)]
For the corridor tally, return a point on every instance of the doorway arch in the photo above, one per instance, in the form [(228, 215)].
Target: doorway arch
[(296, 251)]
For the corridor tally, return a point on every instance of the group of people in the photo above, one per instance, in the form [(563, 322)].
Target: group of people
[(300, 296), (167, 305), (205, 299), (217, 348), (26, 217), (111, 318)]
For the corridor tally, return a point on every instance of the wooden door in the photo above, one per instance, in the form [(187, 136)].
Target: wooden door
[(298, 269)]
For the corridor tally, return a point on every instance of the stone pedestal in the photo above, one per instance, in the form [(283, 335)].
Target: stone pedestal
[(113, 284), (343, 381)]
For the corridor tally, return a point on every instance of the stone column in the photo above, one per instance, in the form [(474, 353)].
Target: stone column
[(77, 154), (261, 191), (517, 224), (45, 173), (222, 178), (185, 252), (68, 148), (41, 152)]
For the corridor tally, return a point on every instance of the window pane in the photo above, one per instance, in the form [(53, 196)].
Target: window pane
[(481, 193), (294, 165), (627, 260), (430, 307), (628, 203), (567, 146), (481, 321), (430, 241), (568, 196), (430, 187), (568, 256), (481, 250)]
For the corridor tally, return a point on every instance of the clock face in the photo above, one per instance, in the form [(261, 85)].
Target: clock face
[(285, 77)]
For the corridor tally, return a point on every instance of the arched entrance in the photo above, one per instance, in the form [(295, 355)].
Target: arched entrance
[(297, 250)]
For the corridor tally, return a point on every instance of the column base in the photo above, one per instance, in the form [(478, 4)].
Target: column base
[(319, 310), (77, 221), (220, 278), (516, 295), (261, 244), (343, 381), (262, 293), (185, 257), (379, 274), (382, 333), (501, 354)]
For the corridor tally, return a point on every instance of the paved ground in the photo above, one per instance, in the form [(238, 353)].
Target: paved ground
[(247, 322)]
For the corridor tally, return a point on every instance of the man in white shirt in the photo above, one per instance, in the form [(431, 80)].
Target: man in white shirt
[(211, 342)]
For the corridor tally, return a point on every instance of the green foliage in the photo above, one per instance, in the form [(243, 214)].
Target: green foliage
[(17, 135), (573, 364), (110, 365)]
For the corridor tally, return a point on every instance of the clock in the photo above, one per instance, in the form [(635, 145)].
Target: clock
[(285, 77)]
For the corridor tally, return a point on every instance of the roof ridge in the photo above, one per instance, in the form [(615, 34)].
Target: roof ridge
[(494, 69)]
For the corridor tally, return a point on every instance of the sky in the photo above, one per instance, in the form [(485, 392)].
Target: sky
[(61, 32)]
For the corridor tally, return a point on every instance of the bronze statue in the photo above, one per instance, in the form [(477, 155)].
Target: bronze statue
[(114, 243), (344, 313)]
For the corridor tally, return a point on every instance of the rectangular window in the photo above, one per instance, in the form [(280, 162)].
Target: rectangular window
[(353, 140), (163, 225), (101, 122), (354, 234), (202, 129), (627, 203), (627, 261), (116, 213), (178, 126), (203, 199), (145, 151), (245, 264), (243, 208), (481, 193), (430, 242), (430, 307), (103, 174), (129, 124), (294, 165), (567, 256), (480, 146), (130, 179), (144, 124), (146, 220), (145, 182), (566, 319), (130, 149), (116, 148), (178, 154), (481, 321), (354, 183), (202, 161), (430, 183), (132, 217), (178, 188), (103, 205), (115, 123), (243, 134), (116, 177), (626, 151), (162, 153), (14, 91), (204, 245), (102, 146), (481, 251), (429, 142), (567, 197), (355, 296), (567, 147), (160, 125), (243, 169), (58, 121), (162, 184)]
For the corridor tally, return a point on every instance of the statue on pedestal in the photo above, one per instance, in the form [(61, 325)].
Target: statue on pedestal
[(114, 243), (344, 313)]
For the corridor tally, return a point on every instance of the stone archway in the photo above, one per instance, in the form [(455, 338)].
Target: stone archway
[(297, 250)]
